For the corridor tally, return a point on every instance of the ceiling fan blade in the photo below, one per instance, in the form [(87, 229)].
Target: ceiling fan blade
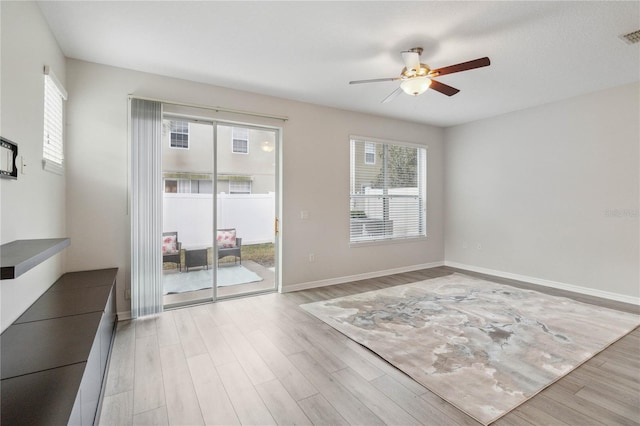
[(375, 80), (392, 96), (443, 88), (464, 66), (411, 60)]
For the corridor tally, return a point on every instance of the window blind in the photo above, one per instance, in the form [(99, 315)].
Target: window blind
[(388, 197), (53, 143)]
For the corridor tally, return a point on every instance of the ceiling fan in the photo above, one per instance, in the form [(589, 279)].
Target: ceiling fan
[(417, 77)]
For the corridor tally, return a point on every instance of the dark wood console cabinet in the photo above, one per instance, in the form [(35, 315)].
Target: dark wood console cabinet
[(54, 357)]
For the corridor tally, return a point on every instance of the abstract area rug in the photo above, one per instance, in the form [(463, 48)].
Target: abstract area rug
[(180, 282), (482, 346)]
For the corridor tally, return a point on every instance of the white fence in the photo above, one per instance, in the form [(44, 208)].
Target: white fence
[(402, 220), (191, 215)]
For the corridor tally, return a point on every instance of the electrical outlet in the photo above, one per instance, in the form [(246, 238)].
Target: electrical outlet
[(127, 294), (312, 257), (304, 214)]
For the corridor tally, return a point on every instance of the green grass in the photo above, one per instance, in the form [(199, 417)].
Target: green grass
[(263, 254)]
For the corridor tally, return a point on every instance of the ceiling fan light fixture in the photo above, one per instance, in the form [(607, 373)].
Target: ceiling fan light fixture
[(415, 86)]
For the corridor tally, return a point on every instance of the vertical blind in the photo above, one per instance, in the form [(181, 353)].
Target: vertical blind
[(53, 145), (388, 195), (146, 208)]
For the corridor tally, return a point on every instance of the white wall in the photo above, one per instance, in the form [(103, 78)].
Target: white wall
[(550, 192), (315, 175), (34, 205)]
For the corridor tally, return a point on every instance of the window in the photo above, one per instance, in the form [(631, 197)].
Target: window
[(170, 186), (239, 187), (369, 153), (188, 186), (179, 134), (388, 198), (240, 143), (53, 143)]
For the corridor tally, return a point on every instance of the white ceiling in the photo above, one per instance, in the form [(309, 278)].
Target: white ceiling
[(308, 51)]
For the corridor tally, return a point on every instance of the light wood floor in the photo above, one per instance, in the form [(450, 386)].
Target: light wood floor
[(263, 360)]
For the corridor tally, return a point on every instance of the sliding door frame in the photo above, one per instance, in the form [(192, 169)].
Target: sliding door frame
[(215, 123)]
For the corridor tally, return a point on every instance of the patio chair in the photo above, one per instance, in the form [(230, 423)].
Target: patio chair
[(171, 249), (229, 244)]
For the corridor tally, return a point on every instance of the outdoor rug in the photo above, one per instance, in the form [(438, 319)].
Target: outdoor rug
[(482, 346), (180, 282)]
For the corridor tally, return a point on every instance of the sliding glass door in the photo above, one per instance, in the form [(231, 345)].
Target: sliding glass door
[(246, 209), (219, 210)]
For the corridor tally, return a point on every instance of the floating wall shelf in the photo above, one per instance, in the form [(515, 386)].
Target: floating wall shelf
[(18, 256)]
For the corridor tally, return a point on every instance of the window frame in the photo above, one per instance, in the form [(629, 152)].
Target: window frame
[(239, 138), (417, 219), (369, 145), (246, 182), (173, 130)]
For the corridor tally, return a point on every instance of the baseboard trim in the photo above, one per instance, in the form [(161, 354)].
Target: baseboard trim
[(124, 315), (548, 283), (357, 277)]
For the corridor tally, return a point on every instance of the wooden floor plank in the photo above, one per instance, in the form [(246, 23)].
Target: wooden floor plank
[(246, 401), (148, 389), (381, 405), (413, 404), (166, 329), (214, 402), (529, 417), (578, 410), (293, 381), (321, 412), (145, 326), (623, 404), (117, 409), (335, 342), (448, 409), (121, 365), (305, 335), (250, 360), (276, 334), (282, 406), (188, 332), (156, 417), (182, 403), (345, 403), (217, 347)]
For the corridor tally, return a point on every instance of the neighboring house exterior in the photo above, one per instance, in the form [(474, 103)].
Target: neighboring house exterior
[(245, 159)]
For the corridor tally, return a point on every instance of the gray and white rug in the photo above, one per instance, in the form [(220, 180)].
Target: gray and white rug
[(180, 282), (482, 346)]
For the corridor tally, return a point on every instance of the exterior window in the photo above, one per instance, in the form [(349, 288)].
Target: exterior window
[(369, 153), (240, 143), (239, 187), (388, 199), (170, 185), (188, 186), (179, 134), (53, 143)]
